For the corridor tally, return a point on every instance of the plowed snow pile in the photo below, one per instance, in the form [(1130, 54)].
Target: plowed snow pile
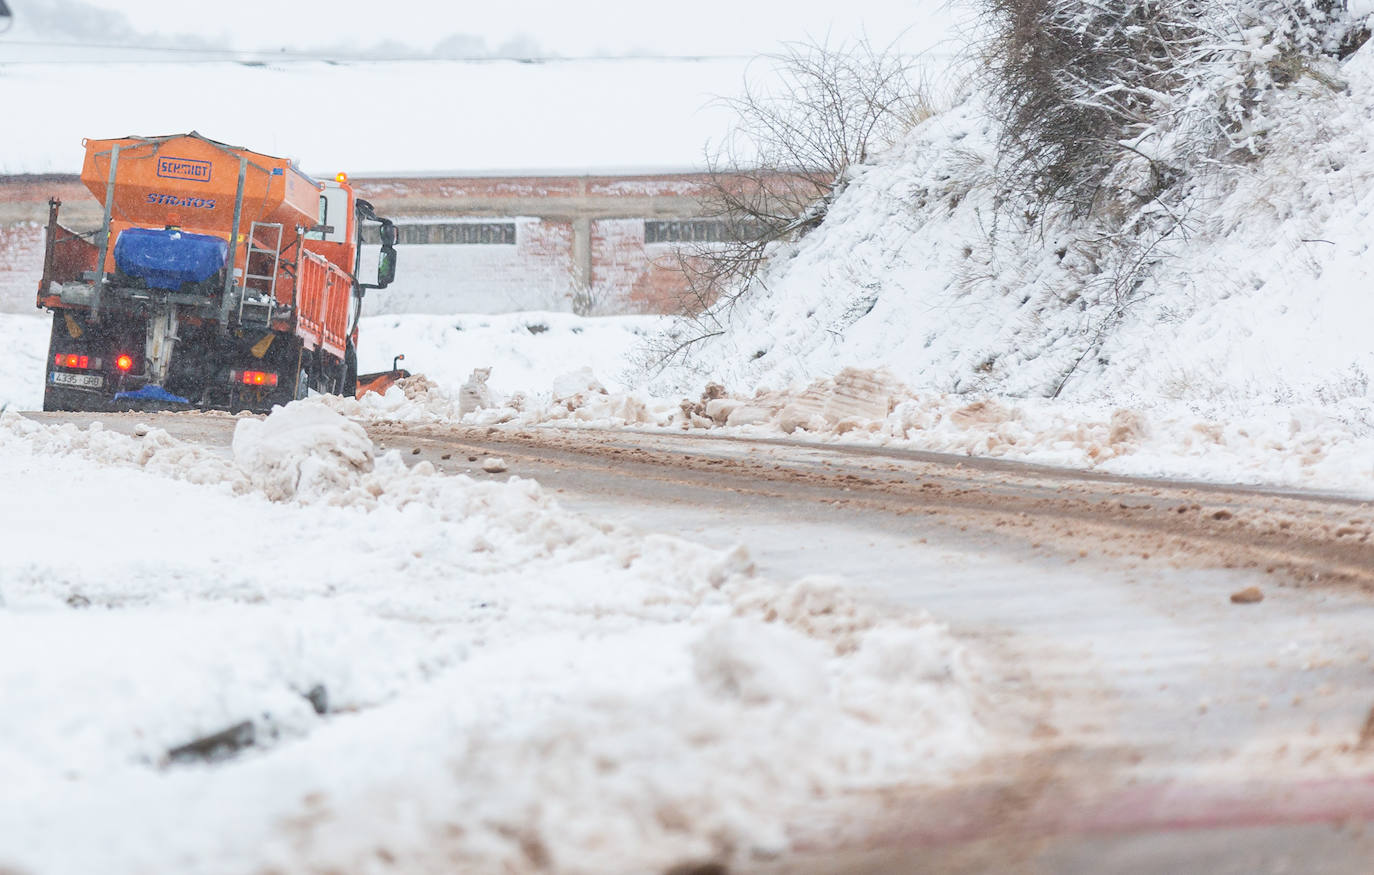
[(505, 686), (1309, 446)]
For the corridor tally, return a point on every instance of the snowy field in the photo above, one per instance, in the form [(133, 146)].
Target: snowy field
[(674, 99)]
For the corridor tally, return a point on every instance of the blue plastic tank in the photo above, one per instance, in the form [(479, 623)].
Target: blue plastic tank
[(165, 258)]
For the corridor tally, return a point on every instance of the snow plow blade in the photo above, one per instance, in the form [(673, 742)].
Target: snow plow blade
[(380, 381)]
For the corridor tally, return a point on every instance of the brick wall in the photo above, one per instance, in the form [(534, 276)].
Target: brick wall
[(539, 272), (21, 266), (534, 274), (618, 263), (629, 276)]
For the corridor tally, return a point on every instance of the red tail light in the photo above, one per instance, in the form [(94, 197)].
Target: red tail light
[(73, 361), (124, 362), (254, 378)]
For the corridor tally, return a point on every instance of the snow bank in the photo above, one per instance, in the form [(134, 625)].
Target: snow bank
[(1308, 447), (509, 686), (25, 342)]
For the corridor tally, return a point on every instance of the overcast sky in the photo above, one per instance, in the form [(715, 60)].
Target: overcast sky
[(521, 27)]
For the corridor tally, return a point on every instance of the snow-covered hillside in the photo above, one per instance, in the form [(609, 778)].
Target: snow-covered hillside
[(1264, 299)]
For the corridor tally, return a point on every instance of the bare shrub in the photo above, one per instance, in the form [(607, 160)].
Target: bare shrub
[(821, 110), (1074, 81), (586, 299)]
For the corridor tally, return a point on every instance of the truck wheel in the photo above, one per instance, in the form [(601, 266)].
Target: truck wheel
[(302, 384), (349, 389), (298, 360)]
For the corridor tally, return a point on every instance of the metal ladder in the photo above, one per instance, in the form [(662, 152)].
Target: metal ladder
[(259, 311)]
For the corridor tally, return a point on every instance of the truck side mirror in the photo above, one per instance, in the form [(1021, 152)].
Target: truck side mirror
[(387, 233), (386, 266)]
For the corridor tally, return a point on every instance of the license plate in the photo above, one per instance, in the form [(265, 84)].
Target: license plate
[(89, 381)]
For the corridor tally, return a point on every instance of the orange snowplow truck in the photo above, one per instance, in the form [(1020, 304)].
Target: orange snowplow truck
[(219, 278)]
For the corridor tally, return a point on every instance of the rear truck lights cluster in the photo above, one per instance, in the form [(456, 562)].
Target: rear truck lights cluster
[(68, 368), (79, 362), (124, 362), (253, 378)]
